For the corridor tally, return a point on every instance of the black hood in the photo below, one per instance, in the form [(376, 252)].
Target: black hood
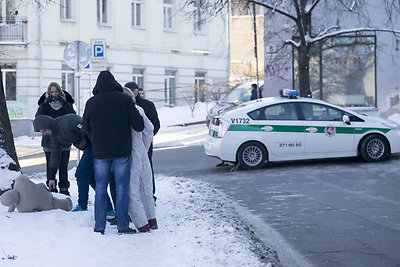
[(132, 85), (42, 122), (106, 83)]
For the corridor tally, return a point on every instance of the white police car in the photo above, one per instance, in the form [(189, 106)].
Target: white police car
[(286, 128)]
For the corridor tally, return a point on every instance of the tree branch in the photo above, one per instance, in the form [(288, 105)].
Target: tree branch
[(313, 6), (270, 7), (354, 30)]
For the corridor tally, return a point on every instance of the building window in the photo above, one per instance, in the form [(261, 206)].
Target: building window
[(199, 80), (198, 17), (137, 77), (65, 9), (7, 11), (68, 80), (102, 11), (136, 13), (169, 88), (342, 71), (9, 77), (168, 8)]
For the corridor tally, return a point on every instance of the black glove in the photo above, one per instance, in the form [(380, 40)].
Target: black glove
[(61, 99), (49, 99)]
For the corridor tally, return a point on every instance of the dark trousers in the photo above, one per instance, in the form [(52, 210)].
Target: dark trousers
[(62, 168), (84, 177), (150, 153)]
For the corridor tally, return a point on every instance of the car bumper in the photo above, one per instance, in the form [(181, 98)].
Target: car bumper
[(394, 139), (213, 147)]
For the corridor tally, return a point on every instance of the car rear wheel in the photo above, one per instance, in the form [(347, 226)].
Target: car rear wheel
[(251, 155), (374, 148)]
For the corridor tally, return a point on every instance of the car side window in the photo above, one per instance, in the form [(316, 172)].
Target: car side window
[(284, 111), (318, 112)]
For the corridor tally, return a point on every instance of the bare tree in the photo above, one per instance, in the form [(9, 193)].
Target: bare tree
[(6, 136), (310, 21)]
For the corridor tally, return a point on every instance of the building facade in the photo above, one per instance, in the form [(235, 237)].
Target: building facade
[(154, 43)]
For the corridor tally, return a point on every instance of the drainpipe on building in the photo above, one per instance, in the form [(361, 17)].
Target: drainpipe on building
[(40, 48), (255, 48), (229, 40)]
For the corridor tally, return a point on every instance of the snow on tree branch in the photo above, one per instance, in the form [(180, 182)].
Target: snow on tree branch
[(274, 9)]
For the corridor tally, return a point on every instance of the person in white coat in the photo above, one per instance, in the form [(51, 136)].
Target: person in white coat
[(141, 205)]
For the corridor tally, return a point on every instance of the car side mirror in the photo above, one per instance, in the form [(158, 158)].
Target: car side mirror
[(346, 119)]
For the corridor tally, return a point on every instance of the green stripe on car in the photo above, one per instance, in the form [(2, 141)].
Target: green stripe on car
[(300, 129)]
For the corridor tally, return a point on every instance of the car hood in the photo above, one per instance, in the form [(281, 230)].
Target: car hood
[(220, 107)]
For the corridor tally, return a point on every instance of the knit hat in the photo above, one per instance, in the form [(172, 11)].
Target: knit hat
[(132, 85), (43, 122)]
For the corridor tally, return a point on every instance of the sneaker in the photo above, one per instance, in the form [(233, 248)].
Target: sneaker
[(79, 208), (99, 231), (126, 231), (64, 191), (113, 221), (110, 214), (153, 224)]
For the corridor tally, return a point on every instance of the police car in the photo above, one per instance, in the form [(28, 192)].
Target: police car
[(291, 128)]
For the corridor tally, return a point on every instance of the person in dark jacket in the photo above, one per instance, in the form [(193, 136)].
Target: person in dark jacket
[(62, 131), (256, 93), (151, 113), (107, 119), (56, 102)]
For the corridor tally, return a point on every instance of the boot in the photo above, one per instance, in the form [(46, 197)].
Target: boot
[(153, 224), (64, 191), (144, 229), (126, 231)]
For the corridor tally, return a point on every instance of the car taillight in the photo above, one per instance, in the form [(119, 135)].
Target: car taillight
[(222, 128)]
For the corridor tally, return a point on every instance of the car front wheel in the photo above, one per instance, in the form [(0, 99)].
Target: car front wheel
[(374, 148), (251, 155)]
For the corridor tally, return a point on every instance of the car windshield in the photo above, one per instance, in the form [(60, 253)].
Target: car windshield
[(237, 95)]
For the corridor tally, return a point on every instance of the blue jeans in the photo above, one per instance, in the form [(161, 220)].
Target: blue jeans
[(122, 171), (84, 177)]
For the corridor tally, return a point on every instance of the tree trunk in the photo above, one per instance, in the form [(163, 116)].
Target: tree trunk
[(6, 136), (304, 71)]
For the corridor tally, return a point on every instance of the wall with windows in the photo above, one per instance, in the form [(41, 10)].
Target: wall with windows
[(149, 42)]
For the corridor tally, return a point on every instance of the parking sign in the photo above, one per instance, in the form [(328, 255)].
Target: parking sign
[(98, 55)]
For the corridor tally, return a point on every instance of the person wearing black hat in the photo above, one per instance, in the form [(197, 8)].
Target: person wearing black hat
[(62, 132), (151, 113)]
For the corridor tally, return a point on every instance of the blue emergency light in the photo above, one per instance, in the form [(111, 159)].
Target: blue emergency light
[(290, 93)]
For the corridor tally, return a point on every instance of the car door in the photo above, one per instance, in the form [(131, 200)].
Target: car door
[(325, 133), (281, 131)]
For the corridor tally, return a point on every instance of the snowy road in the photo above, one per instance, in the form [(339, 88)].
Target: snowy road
[(342, 212)]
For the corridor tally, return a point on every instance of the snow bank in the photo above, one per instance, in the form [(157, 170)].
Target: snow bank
[(197, 227), (6, 176)]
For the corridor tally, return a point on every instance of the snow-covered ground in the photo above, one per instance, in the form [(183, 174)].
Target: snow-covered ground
[(198, 225)]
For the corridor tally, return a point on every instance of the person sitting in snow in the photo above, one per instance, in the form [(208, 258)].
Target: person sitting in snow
[(27, 196)]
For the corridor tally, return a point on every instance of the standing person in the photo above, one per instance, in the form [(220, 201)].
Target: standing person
[(62, 132), (256, 93), (151, 113), (108, 118), (141, 205), (56, 102), (84, 177)]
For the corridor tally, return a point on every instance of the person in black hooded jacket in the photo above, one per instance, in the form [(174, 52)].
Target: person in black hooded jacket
[(54, 103), (108, 118)]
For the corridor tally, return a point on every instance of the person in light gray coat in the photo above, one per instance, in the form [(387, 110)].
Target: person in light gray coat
[(141, 205)]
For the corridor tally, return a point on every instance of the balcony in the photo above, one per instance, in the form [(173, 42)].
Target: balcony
[(13, 30)]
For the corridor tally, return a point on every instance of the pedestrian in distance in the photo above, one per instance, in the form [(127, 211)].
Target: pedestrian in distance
[(107, 119), (141, 205), (256, 93), (56, 102), (62, 131), (151, 113)]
